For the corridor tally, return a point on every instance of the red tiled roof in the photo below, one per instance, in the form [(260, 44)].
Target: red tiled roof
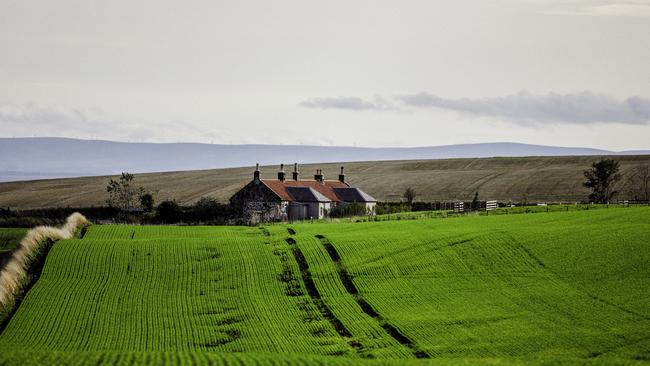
[(325, 188)]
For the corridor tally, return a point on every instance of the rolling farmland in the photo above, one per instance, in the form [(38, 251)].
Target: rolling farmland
[(547, 288), (554, 179)]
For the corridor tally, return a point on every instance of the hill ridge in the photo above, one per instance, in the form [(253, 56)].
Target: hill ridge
[(54, 157), (533, 179)]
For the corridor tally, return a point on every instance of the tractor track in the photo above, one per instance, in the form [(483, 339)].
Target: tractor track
[(351, 288), (312, 291)]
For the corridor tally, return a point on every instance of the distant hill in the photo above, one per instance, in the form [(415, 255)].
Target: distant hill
[(506, 179), (42, 158)]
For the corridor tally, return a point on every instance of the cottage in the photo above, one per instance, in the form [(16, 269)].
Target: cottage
[(284, 199)]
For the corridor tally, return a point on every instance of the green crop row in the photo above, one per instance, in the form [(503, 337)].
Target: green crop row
[(563, 287)]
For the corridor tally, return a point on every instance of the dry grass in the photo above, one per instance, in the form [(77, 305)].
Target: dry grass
[(505, 179), (14, 275)]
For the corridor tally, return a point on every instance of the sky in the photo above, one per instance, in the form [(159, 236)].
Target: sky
[(349, 73)]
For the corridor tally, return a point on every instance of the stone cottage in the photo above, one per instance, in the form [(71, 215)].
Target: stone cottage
[(285, 199)]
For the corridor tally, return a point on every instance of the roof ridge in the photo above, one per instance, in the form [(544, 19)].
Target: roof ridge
[(302, 180)]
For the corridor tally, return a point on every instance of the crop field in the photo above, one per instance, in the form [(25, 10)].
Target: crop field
[(547, 288), (532, 179)]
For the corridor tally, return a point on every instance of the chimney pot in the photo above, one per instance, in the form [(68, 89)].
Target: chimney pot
[(342, 176), (295, 171), (281, 173), (256, 174), (319, 175)]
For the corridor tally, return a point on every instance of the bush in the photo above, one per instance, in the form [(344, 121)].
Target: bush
[(348, 209), (209, 210), (168, 212), (383, 208)]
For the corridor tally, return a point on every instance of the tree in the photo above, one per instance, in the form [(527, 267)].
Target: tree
[(600, 179), (169, 212), (146, 201), (639, 182), (409, 195), (123, 193)]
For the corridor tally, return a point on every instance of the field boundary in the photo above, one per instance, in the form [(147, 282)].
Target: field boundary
[(351, 288)]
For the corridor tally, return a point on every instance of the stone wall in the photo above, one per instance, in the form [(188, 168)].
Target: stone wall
[(257, 203)]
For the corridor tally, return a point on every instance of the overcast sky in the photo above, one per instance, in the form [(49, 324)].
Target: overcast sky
[(364, 73)]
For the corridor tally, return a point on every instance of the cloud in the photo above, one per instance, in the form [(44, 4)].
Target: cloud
[(630, 8), (31, 119), (577, 108), (348, 103)]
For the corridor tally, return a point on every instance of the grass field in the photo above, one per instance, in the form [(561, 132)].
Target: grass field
[(563, 287), (554, 179), (9, 240)]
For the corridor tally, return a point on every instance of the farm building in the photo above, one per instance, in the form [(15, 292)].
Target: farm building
[(284, 199)]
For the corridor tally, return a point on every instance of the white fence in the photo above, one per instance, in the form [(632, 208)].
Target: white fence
[(491, 205)]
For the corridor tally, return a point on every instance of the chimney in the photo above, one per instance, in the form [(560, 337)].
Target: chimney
[(319, 175), (256, 174), (281, 173), (295, 171), (342, 176)]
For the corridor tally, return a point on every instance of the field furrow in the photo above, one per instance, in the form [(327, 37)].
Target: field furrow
[(559, 288)]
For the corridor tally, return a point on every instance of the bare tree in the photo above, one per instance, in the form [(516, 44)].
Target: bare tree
[(639, 182)]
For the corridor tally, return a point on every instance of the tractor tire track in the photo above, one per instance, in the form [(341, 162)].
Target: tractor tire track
[(312, 291), (351, 288)]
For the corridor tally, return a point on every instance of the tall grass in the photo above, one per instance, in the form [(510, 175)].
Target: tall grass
[(14, 275)]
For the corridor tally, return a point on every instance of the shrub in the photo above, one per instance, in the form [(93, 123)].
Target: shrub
[(168, 212), (348, 209)]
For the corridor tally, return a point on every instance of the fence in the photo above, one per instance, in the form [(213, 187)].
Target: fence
[(491, 205)]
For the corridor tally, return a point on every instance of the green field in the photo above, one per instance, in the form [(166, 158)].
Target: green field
[(548, 288), (9, 240)]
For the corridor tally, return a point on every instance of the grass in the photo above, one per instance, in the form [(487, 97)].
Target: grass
[(10, 239), (557, 288), (543, 179), (516, 286)]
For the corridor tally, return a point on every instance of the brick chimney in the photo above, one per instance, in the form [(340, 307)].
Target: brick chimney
[(295, 171), (319, 175), (281, 173), (342, 176), (256, 174)]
